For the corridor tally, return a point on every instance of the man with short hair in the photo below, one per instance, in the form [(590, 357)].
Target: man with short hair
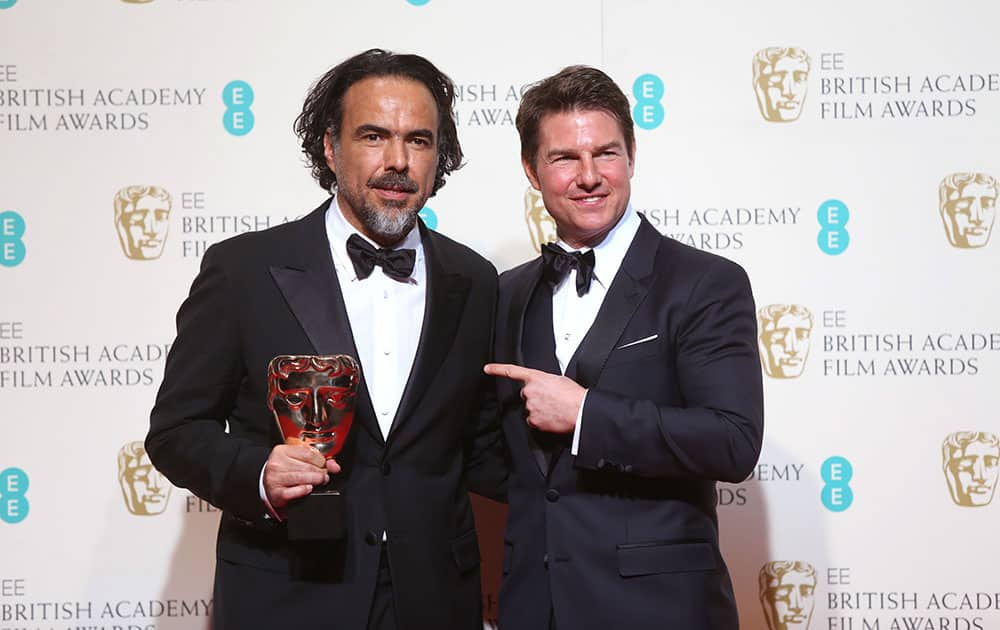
[(361, 276), (632, 385)]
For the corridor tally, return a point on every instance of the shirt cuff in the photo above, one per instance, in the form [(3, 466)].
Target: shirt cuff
[(579, 423), (271, 513)]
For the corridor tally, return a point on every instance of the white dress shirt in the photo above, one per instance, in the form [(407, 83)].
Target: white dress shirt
[(572, 314), (386, 317)]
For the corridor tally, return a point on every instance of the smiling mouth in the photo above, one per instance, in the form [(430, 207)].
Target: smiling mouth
[(588, 200)]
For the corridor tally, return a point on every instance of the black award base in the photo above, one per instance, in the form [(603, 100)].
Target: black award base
[(320, 516)]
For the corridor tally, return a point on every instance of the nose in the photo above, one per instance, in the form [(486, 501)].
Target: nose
[(149, 223), (979, 471), (976, 212), (396, 157), (792, 342), (786, 85), (588, 177), (155, 483), (795, 601)]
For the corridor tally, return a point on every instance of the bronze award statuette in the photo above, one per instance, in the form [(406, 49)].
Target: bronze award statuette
[(312, 399)]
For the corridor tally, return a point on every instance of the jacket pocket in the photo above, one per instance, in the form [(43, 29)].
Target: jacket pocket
[(465, 551), (508, 556), (665, 557), (638, 351)]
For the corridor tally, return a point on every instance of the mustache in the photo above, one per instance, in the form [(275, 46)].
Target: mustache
[(398, 181)]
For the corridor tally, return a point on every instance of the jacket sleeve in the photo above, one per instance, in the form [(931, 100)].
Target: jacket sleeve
[(188, 439), (717, 433)]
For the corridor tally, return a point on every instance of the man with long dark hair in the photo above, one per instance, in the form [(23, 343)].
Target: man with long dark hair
[(360, 275)]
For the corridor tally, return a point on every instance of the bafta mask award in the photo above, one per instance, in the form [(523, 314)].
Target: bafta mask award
[(312, 399)]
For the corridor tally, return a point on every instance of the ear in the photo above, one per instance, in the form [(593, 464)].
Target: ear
[(529, 170), (631, 162), (328, 151)]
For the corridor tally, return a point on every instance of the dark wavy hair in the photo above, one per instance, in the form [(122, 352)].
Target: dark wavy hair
[(324, 108), (574, 88)]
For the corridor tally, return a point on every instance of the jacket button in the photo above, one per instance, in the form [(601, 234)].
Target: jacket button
[(545, 560), (371, 538), (385, 469), (601, 463), (552, 495), (627, 468)]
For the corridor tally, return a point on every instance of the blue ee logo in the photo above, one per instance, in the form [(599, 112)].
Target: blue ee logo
[(836, 494), (13, 503), (648, 110), (429, 218), (6, 4), (11, 241), (418, 3), (238, 117), (833, 237)]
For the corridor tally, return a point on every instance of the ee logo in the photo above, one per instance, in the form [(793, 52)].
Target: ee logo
[(13, 503), (11, 242), (836, 494), (418, 3), (429, 217), (648, 110), (6, 4), (238, 117), (833, 237)]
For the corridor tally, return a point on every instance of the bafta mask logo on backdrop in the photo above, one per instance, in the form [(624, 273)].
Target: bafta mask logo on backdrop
[(784, 336), (541, 225), (968, 205), (787, 594), (142, 220), (971, 466), (145, 490), (780, 81)]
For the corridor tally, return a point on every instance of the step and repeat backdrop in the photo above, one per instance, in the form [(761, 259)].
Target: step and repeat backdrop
[(846, 154)]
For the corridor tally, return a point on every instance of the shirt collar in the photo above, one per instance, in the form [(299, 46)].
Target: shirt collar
[(609, 253), (338, 230)]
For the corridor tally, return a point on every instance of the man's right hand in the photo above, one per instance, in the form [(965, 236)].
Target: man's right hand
[(291, 472)]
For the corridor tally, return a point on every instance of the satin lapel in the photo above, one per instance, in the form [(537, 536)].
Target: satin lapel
[(627, 291), (515, 324), (446, 295), (311, 288)]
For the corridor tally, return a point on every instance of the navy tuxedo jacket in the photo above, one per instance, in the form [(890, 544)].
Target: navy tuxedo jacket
[(625, 534)]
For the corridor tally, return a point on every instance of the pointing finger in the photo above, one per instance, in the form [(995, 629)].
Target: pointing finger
[(509, 370)]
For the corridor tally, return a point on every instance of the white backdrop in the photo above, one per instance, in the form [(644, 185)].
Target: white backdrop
[(836, 210)]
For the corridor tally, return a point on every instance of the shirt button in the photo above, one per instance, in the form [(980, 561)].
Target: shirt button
[(384, 413)]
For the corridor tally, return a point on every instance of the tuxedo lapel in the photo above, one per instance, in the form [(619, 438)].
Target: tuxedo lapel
[(311, 288), (626, 293), (445, 301), (521, 294)]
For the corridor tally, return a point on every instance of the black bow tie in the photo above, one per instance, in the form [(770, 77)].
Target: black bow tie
[(558, 262), (395, 263)]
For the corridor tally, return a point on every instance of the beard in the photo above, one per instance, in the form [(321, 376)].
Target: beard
[(388, 223)]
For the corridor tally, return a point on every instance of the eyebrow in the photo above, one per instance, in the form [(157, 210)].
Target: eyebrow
[(601, 149), (366, 129)]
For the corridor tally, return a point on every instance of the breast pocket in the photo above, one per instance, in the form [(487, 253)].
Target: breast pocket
[(635, 350)]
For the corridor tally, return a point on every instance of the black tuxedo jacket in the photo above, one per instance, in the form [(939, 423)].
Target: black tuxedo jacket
[(625, 534), (275, 292)]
